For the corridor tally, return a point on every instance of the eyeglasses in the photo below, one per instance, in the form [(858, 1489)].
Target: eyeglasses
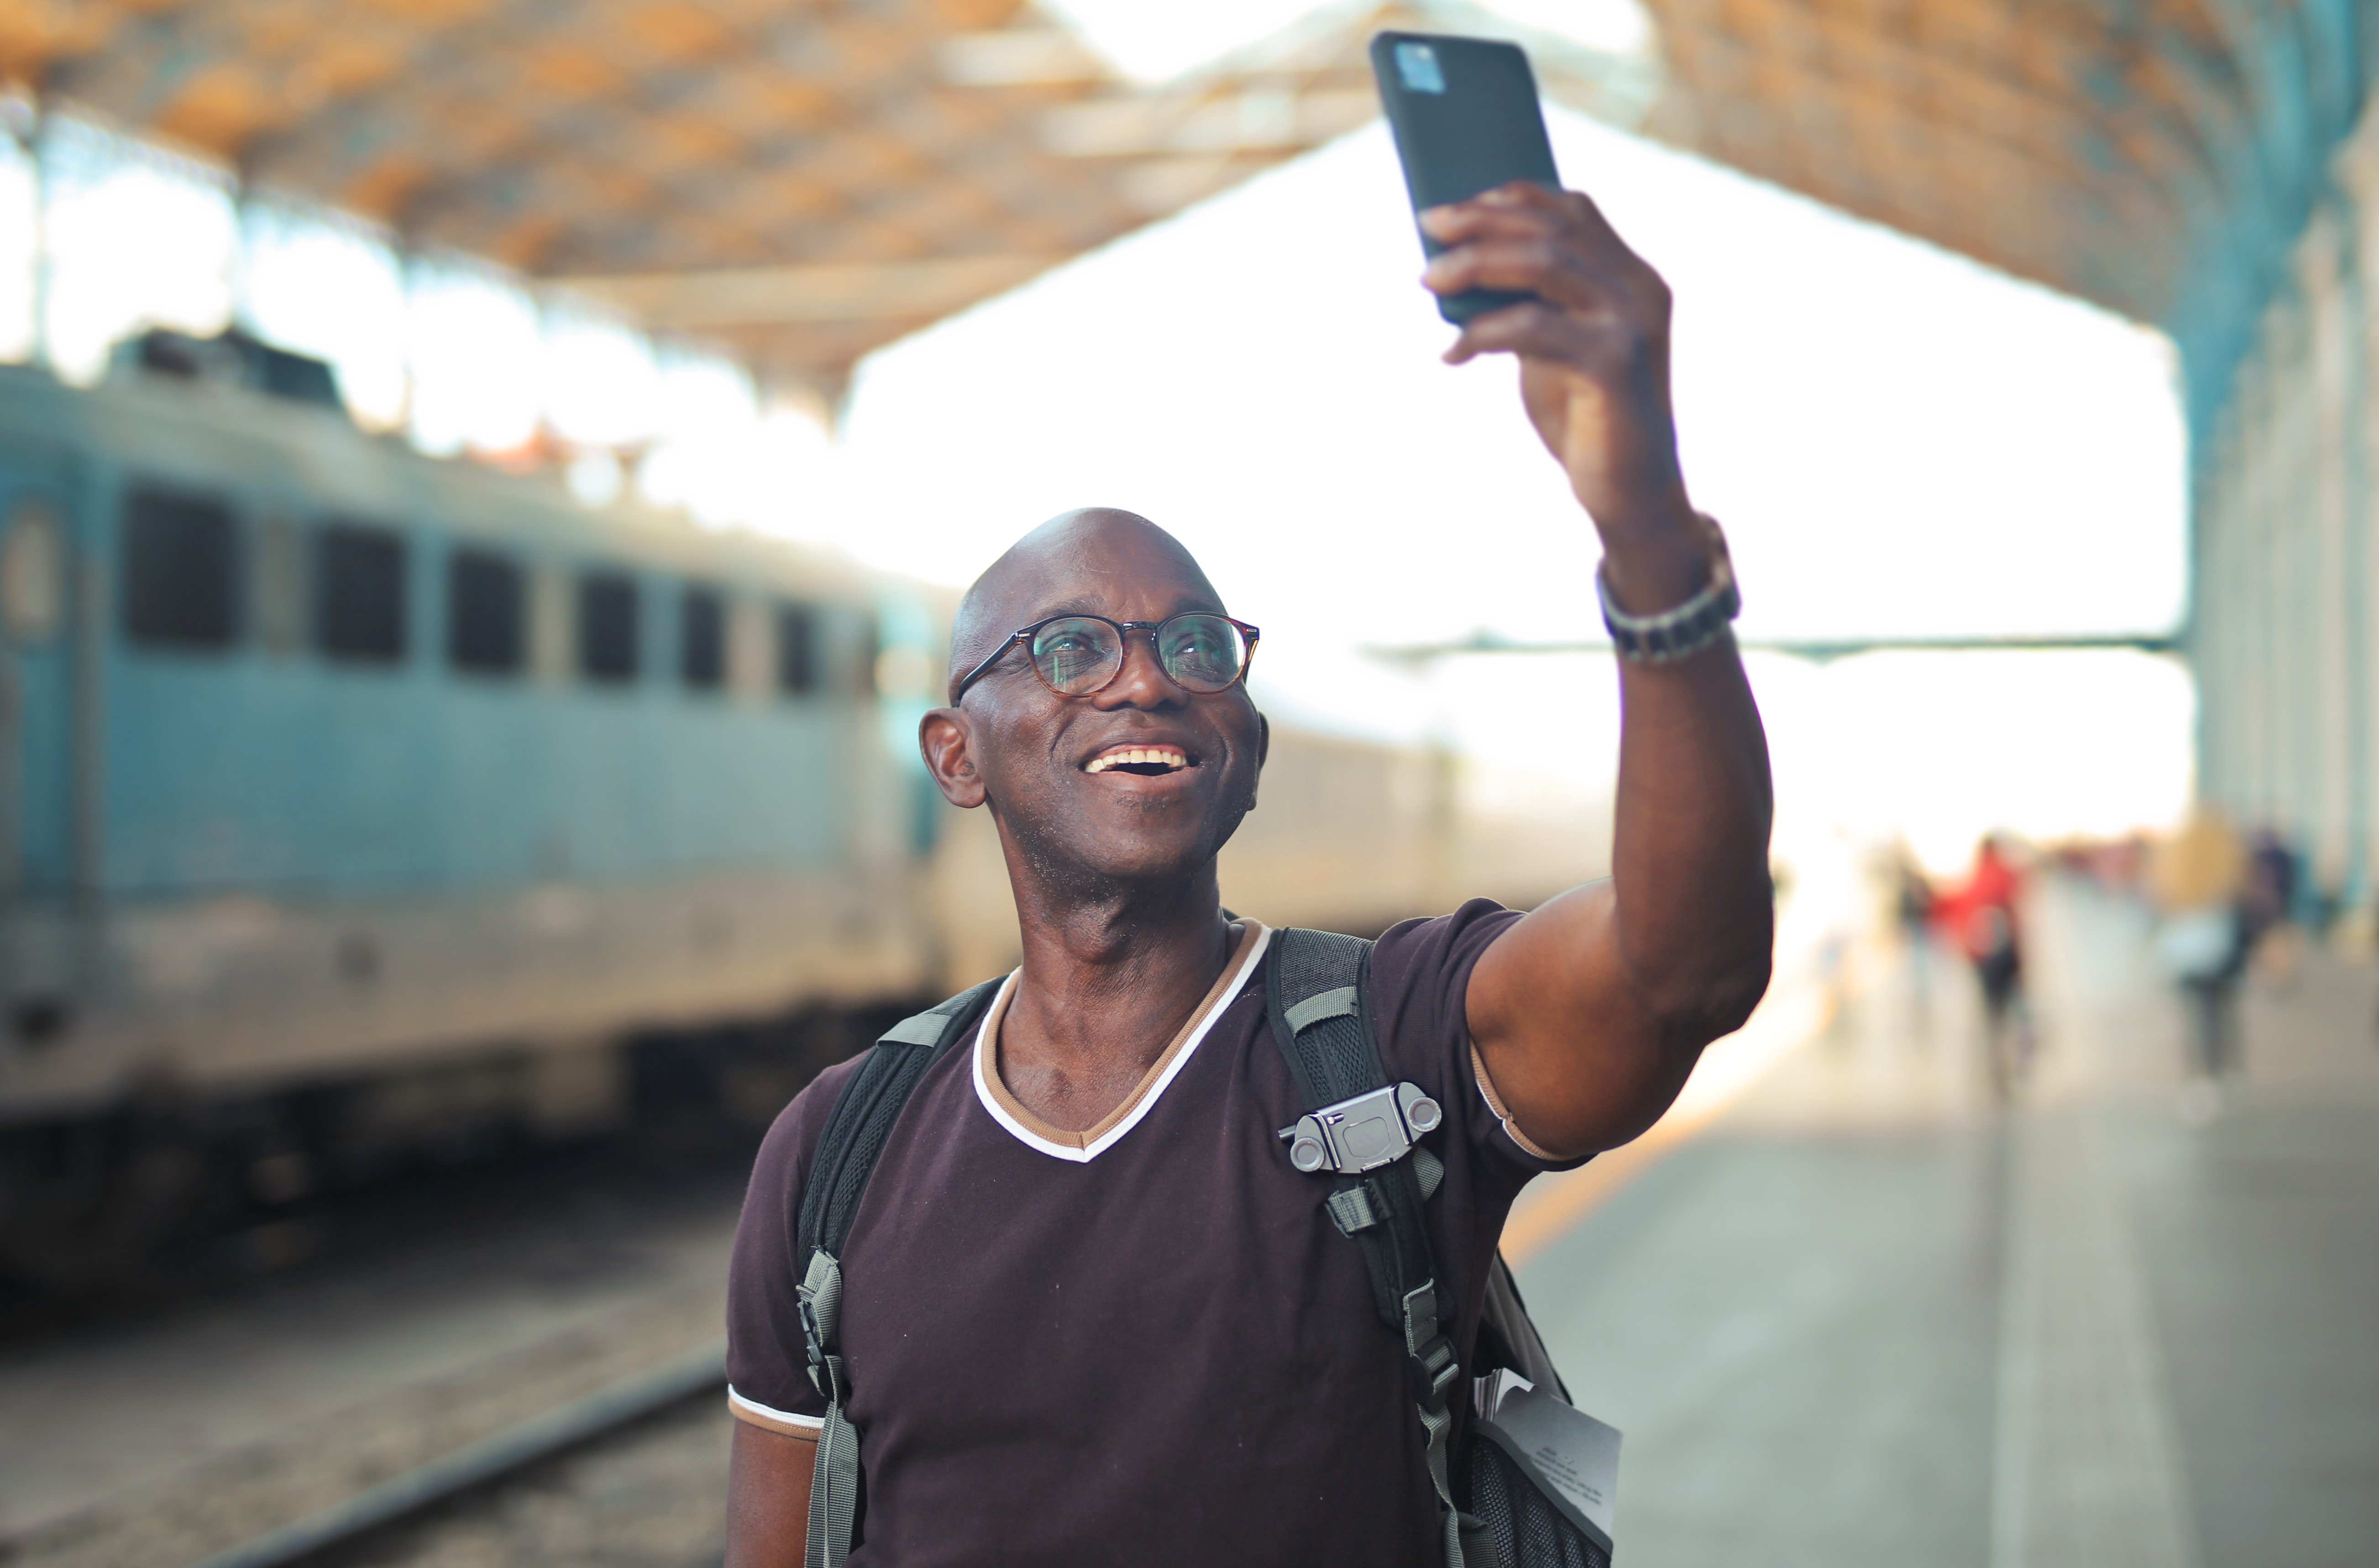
[(1077, 655)]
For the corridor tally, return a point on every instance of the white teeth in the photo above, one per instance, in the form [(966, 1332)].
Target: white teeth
[(1125, 756)]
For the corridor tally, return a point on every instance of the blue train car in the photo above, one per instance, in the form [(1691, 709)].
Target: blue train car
[(353, 801), (326, 763)]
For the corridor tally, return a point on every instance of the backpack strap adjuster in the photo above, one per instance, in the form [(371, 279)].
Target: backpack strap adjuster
[(820, 1298), (1434, 1373), (1358, 1208), (1431, 1352)]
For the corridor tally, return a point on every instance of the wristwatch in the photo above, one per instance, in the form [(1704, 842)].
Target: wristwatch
[(1680, 632)]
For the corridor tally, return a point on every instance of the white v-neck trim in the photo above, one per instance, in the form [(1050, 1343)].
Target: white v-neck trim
[(985, 1038)]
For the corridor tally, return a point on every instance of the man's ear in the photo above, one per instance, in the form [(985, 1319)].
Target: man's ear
[(1264, 750), (943, 737)]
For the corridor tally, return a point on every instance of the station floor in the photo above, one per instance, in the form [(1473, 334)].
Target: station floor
[(1865, 1318)]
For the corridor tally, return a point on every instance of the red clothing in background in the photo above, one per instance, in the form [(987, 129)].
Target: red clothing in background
[(1979, 914)]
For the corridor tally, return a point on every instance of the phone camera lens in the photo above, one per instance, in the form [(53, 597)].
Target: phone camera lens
[(1417, 64)]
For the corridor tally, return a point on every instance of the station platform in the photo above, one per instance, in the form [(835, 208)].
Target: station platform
[(1847, 1310), (1866, 1317)]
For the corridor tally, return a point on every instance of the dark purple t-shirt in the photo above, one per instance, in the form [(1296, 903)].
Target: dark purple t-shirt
[(1146, 1342)]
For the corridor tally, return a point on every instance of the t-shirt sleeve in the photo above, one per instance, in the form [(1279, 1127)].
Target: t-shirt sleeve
[(767, 1362), (1421, 981)]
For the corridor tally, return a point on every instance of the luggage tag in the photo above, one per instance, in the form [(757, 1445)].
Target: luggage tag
[(1572, 1457)]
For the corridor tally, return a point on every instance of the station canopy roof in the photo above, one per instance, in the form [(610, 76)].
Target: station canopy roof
[(807, 179), (2157, 157)]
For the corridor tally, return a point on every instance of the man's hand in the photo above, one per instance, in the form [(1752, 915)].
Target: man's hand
[(1594, 369), (1590, 1012)]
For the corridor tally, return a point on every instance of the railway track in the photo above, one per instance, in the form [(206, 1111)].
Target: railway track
[(582, 1421), (509, 1354)]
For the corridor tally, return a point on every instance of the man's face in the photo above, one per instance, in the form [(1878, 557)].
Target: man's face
[(1053, 767)]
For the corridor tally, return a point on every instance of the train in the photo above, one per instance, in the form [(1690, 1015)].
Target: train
[(356, 802)]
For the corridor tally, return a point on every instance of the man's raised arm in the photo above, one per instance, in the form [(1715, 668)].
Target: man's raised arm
[(1590, 1011)]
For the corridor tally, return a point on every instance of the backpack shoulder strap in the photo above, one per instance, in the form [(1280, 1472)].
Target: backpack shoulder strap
[(856, 1131), (866, 1108), (1317, 995), (1361, 1132)]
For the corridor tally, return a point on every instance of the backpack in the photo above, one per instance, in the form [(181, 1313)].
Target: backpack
[(1360, 1134)]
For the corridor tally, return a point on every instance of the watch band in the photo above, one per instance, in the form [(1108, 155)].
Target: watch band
[(1673, 633)]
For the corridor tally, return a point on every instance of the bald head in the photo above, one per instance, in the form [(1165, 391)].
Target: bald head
[(1072, 826), (1083, 560)]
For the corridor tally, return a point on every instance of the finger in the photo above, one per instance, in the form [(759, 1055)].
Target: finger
[(1536, 265), (1534, 330), (1526, 208), (1517, 200), (1530, 329), (1502, 223)]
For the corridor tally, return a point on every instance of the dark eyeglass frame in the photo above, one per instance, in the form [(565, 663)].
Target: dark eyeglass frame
[(1124, 629)]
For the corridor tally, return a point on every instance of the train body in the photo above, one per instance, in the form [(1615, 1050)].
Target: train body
[(336, 776)]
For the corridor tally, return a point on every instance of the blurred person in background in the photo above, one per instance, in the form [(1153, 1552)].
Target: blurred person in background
[(1980, 915), (2198, 879), (2267, 910), (1912, 906)]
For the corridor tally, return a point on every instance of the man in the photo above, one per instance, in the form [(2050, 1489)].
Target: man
[(1090, 1314)]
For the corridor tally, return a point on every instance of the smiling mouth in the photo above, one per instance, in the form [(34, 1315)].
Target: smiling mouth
[(1146, 761)]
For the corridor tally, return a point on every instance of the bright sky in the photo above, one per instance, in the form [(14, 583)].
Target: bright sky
[(1157, 43)]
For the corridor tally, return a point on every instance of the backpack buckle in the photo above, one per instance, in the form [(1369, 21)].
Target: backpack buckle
[(1364, 1133), (814, 1345)]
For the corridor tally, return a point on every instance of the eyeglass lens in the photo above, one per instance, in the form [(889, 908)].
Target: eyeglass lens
[(1079, 654)]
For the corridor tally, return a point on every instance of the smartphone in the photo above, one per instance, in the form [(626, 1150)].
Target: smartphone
[(1466, 119)]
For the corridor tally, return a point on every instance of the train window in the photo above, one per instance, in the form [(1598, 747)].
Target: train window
[(702, 638), (181, 570), (797, 659), (359, 593), (486, 602), (607, 626)]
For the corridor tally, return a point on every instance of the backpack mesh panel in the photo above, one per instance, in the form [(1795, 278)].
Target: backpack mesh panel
[(1313, 961), (908, 1065), (1517, 1526)]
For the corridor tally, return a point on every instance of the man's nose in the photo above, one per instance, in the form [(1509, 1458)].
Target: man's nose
[(1142, 682)]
